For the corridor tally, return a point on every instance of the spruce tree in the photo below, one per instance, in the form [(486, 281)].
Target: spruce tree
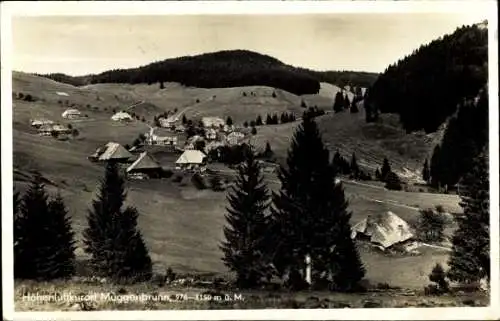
[(435, 168), (426, 173), (229, 121), (347, 102), (43, 240), (254, 131), (354, 107), (378, 175), (470, 258), (310, 216), (393, 182), (245, 124), (354, 166), (386, 169), (269, 120), (184, 119), (258, 121), (338, 104), (112, 238), (246, 228)]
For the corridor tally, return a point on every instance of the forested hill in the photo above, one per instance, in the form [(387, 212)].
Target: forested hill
[(425, 87), (231, 68)]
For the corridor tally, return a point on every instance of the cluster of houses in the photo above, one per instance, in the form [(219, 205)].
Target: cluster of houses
[(47, 127), (144, 165)]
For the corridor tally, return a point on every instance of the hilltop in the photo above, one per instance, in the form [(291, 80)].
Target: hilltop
[(228, 68), (425, 87)]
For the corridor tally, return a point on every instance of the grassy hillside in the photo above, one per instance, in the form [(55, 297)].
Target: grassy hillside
[(181, 225), (229, 68)]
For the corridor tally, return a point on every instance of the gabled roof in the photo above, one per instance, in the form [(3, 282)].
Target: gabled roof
[(121, 115), (385, 229), (145, 161), (71, 111), (191, 156), (113, 151)]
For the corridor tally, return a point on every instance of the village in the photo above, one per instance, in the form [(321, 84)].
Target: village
[(180, 147)]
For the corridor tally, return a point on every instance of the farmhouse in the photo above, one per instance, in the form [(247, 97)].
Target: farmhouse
[(234, 138), (45, 130), (383, 230), (71, 113), (191, 142), (40, 122), (111, 152), (191, 159), (121, 116), (144, 167), (168, 122), (212, 122)]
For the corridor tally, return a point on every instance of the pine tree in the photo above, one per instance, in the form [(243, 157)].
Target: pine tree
[(184, 120), (268, 152), (354, 166), (258, 121), (338, 104), (244, 250), (438, 276), (378, 175), (269, 120), (111, 238), (162, 86), (275, 119), (43, 240), (354, 107), (310, 216), (470, 258), (229, 121), (245, 124), (274, 94), (254, 131), (426, 173), (347, 102), (386, 169), (393, 182), (435, 168)]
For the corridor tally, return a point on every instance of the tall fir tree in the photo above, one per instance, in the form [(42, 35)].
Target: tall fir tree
[(258, 121), (354, 166), (470, 257), (112, 239), (310, 216), (244, 248), (229, 121), (347, 102), (338, 104), (43, 240), (386, 169), (426, 173), (435, 168)]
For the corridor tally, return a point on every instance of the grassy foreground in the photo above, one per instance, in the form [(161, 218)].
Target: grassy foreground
[(80, 295)]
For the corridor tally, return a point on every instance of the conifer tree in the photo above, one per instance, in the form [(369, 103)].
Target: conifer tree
[(354, 166), (245, 231), (378, 175), (435, 168), (162, 86), (426, 173), (393, 182), (245, 124), (269, 120), (386, 169), (268, 152), (438, 276), (347, 102), (338, 104), (354, 107), (310, 216), (112, 239), (254, 131), (258, 121), (470, 257), (184, 120), (229, 121), (43, 240)]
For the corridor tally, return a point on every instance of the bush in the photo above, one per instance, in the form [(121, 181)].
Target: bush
[(393, 182), (438, 277), (216, 183), (198, 181)]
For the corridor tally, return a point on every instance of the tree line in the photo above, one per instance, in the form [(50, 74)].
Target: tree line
[(425, 87)]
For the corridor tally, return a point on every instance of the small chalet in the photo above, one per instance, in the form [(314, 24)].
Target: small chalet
[(121, 116), (71, 113), (144, 167), (168, 122), (41, 122), (111, 152), (191, 160), (211, 134)]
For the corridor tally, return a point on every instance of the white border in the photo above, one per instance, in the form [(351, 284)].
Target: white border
[(246, 7)]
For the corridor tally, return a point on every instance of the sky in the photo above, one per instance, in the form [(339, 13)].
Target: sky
[(78, 45)]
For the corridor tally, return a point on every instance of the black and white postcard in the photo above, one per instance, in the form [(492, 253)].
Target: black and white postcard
[(238, 160)]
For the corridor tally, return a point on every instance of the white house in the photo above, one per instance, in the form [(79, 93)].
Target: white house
[(71, 113), (45, 130), (168, 122), (234, 138), (41, 122), (121, 116), (212, 122), (191, 159), (156, 137)]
